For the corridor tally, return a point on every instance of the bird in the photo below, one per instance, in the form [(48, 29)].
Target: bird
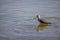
[(43, 21)]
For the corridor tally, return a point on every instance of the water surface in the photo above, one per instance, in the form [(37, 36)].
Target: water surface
[(17, 20)]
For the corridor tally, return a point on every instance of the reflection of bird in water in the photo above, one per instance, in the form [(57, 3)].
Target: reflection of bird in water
[(42, 26), (42, 20)]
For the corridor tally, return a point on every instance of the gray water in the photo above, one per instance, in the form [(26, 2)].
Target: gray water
[(17, 23)]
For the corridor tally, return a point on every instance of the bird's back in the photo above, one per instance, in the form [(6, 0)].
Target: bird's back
[(43, 21)]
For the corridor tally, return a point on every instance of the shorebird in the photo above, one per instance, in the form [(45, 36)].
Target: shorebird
[(42, 20)]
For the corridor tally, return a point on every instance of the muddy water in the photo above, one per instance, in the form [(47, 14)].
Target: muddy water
[(18, 20)]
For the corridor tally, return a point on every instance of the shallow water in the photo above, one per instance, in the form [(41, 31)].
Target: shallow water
[(18, 20)]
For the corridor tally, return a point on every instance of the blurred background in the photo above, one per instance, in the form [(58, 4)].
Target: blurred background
[(17, 23)]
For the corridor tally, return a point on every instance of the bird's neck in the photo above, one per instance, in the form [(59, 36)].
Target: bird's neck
[(38, 17)]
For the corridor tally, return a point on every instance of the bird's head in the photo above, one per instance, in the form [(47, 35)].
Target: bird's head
[(38, 16)]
